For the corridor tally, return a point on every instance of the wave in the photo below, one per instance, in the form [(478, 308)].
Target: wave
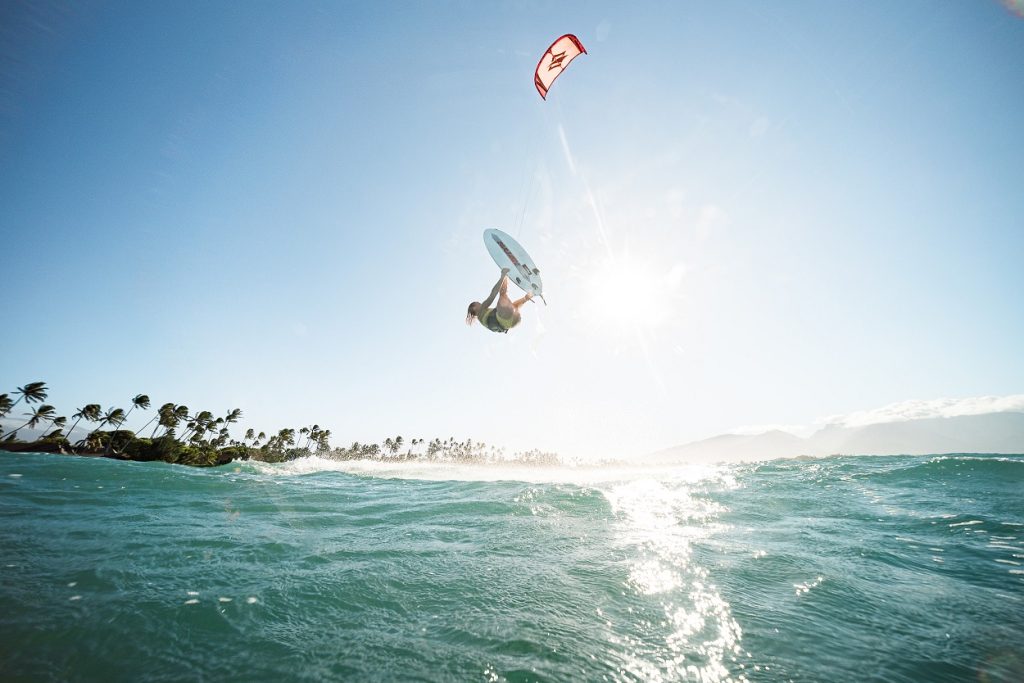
[(940, 467), (581, 474)]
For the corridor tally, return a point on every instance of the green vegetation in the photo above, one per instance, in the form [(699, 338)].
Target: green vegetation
[(198, 438)]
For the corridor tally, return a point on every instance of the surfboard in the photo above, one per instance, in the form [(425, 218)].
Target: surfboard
[(508, 253)]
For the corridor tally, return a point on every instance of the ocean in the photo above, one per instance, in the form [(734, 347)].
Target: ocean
[(834, 569)]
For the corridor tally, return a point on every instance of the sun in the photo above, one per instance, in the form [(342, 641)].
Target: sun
[(627, 295)]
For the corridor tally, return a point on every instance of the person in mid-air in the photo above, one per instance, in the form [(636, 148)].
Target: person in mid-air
[(502, 317)]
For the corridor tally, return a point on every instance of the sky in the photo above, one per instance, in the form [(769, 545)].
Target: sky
[(745, 213)]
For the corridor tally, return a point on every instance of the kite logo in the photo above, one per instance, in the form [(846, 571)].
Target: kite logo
[(556, 60)]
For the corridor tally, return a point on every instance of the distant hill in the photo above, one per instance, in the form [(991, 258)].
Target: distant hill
[(989, 433)]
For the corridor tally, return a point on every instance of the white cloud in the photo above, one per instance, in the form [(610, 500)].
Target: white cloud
[(924, 408), (916, 409)]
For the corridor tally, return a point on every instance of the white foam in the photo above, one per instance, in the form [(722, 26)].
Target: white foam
[(582, 475)]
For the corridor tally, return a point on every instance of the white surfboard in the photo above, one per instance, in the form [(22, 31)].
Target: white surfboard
[(508, 253)]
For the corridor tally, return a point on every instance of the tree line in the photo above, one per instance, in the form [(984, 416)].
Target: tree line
[(180, 435)]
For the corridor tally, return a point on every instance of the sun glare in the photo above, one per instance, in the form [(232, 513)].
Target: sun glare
[(627, 295)]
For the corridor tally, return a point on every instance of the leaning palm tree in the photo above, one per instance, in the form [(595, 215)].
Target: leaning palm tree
[(33, 392), (113, 416), (5, 404), (196, 423), (159, 412), (59, 423), (171, 418), (232, 417), (43, 413), (140, 401), (323, 441), (312, 436), (91, 413), (165, 418)]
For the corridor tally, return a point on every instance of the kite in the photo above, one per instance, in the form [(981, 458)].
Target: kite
[(553, 62)]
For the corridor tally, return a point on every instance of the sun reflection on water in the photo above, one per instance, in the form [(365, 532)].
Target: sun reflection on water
[(689, 633)]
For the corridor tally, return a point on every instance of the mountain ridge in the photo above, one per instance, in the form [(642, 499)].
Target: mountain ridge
[(995, 433)]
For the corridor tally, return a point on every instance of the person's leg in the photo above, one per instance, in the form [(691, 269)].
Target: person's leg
[(504, 307)]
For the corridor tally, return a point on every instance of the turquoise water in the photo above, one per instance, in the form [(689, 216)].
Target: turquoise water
[(838, 569)]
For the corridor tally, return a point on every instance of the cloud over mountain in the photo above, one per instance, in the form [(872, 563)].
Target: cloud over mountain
[(989, 424)]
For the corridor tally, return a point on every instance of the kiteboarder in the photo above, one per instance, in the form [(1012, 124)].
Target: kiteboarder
[(502, 317)]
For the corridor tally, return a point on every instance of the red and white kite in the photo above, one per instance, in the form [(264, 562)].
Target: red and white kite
[(554, 61)]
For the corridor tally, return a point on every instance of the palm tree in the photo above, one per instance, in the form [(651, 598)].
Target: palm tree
[(312, 435), (287, 436), (91, 441), (59, 424), (33, 392), (43, 413), (91, 412), (5, 404), (113, 416), (140, 401), (323, 442), (215, 425), (198, 423), (233, 416), (171, 418), (159, 412)]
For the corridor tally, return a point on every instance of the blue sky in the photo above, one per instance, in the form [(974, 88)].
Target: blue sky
[(745, 213)]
